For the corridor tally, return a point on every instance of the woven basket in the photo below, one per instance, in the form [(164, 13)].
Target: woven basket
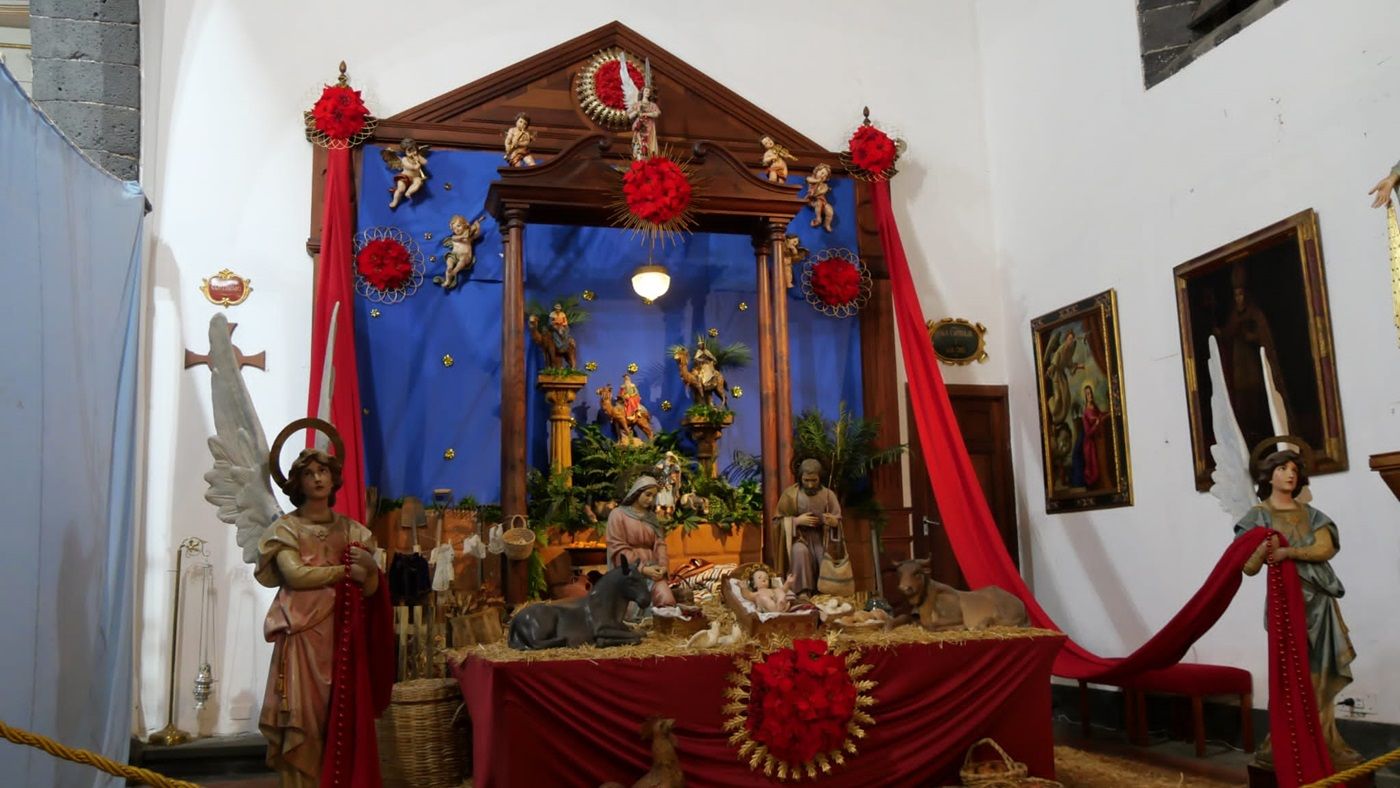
[(987, 774), (421, 743), (519, 540)]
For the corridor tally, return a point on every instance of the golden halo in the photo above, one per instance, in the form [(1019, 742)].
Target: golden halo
[(274, 457), (1256, 456)]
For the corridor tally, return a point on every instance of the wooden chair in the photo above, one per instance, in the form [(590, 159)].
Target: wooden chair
[(1196, 682)]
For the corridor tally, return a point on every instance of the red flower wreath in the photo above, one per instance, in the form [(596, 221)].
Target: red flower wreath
[(871, 150), (835, 281), (656, 190), (801, 701), (340, 113), (385, 264), (607, 83)]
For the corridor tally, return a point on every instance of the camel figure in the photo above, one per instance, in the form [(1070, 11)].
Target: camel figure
[(618, 416), (704, 380), (555, 357)]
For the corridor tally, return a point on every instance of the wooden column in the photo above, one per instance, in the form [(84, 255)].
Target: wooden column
[(513, 428), (767, 398), (777, 231)]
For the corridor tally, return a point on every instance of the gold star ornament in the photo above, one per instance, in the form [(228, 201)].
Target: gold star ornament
[(714, 332), (632, 368), (374, 313), (449, 454), (447, 360), (665, 404), (736, 391), (589, 295), (743, 306), (591, 366)]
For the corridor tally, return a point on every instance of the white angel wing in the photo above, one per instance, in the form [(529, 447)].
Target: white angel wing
[(238, 482), (631, 91), (1233, 485), (323, 408)]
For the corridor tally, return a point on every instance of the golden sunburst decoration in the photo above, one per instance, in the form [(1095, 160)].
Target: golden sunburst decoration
[(678, 219), (847, 692), (604, 106)]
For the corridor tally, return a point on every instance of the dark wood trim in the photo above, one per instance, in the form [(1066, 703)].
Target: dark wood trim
[(878, 359), (767, 384), (1388, 466), (777, 232)]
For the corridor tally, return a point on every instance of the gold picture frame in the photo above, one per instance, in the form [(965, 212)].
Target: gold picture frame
[(1083, 423), (1264, 297)]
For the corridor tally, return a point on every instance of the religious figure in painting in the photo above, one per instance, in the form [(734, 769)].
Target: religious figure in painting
[(642, 110), (807, 513), (462, 255), (775, 158), (518, 139), (1060, 365), (1086, 461), (409, 162), (817, 196), (633, 533), (1312, 543), (301, 556), (1252, 372)]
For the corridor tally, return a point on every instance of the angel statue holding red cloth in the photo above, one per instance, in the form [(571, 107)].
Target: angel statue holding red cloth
[(331, 657)]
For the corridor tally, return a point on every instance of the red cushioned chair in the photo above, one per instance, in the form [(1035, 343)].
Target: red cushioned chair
[(1192, 680)]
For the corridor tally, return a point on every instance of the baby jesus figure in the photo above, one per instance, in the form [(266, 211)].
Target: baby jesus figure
[(765, 596)]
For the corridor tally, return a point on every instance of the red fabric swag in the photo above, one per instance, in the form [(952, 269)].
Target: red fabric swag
[(984, 561), (335, 284), (361, 683)]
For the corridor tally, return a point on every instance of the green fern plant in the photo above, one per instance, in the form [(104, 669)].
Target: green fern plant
[(846, 448)]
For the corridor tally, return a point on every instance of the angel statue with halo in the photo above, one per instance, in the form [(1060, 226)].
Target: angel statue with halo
[(409, 161), (642, 109), (315, 558), (1273, 497)]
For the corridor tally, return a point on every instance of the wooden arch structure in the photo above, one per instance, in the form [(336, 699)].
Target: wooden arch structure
[(576, 183)]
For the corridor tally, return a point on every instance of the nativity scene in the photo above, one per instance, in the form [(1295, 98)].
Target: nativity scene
[(668, 448)]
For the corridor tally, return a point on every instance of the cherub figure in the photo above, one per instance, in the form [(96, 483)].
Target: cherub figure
[(518, 139), (793, 255), (409, 161), (775, 158), (817, 190), (462, 255), (765, 596)]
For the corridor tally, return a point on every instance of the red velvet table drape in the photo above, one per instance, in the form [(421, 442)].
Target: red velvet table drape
[(576, 722), (983, 559)]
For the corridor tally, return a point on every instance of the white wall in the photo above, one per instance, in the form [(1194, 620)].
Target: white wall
[(1098, 184), (227, 169)]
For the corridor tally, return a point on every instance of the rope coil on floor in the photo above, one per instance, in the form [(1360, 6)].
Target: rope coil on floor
[(1362, 770), (79, 755)]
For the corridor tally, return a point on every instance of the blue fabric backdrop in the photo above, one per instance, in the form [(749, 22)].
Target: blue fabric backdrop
[(417, 408), (70, 241)]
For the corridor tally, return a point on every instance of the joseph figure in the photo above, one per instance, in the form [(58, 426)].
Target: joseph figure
[(806, 512)]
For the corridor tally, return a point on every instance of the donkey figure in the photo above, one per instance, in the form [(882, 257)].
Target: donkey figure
[(595, 618), (943, 607)]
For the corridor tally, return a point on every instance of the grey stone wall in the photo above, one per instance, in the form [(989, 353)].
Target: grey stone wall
[(87, 76)]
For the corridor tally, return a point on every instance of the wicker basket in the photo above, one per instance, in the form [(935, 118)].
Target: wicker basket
[(987, 774), (421, 741), (519, 540)]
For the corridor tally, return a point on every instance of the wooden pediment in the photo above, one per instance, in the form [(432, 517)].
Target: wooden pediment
[(694, 107), (582, 183)]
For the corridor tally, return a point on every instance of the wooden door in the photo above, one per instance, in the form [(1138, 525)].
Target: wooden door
[(983, 417)]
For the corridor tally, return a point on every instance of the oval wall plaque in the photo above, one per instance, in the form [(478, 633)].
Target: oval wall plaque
[(226, 288), (958, 341)]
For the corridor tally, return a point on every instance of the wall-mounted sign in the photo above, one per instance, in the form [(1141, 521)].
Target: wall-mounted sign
[(226, 288), (957, 341)]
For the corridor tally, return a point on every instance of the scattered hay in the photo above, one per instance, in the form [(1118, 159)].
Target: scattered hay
[(1079, 769)]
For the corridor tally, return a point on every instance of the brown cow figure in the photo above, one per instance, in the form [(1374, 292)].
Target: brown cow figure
[(943, 607)]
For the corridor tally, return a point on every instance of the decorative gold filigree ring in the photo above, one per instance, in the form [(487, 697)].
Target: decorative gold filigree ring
[(274, 457)]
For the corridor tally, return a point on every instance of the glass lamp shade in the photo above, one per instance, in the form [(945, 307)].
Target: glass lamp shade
[(651, 281)]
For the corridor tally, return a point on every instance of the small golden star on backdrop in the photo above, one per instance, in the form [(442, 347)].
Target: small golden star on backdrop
[(714, 332), (449, 454), (589, 295), (591, 366), (432, 259), (665, 404), (365, 410), (632, 368), (736, 391), (374, 313), (743, 306), (573, 422), (447, 187), (427, 236), (447, 359)]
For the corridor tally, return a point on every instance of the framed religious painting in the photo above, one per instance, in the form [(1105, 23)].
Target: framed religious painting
[(1083, 424), (1264, 300)]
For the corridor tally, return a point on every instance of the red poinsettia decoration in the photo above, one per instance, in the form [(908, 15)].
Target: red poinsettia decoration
[(836, 281), (340, 113), (871, 149), (385, 263), (801, 700), (656, 191), (607, 83)]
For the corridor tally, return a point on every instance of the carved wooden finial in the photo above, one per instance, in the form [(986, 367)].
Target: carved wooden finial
[(866, 112), (343, 79)]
